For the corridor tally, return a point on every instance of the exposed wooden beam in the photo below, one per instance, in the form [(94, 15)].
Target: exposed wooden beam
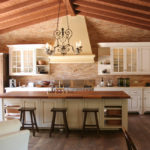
[(124, 4), (147, 1), (112, 9), (42, 13), (32, 22), (115, 20), (28, 11), (2, 1), (19, 5), (113, 15), (69, 5)]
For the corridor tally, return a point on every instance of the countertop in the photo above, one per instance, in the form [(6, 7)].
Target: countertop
[(73, 94)]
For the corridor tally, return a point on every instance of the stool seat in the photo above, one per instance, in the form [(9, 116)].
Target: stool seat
[(32, 116), (59, 109), (90, 109), (27, 109), (53, 124)]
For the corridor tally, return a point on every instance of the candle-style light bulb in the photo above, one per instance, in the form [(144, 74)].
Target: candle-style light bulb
[(47, 45), (50, 46), (76, 44), (79, 43)]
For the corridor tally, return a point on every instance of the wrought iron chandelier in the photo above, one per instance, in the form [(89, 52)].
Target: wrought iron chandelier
[(62, 37)]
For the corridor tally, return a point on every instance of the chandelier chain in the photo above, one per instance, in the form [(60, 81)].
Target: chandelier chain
[(67, 14), (59, 1)]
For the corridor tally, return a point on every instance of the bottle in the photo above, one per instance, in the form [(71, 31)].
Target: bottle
[(102, 83)]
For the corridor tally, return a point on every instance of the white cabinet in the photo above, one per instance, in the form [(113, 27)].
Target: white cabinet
[(125, 58), (23, 59), (134, 103), (146, 101), (144, 59)]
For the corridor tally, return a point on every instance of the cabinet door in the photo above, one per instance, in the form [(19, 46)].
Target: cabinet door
[(135, 101), (32, 103), (15, 62), (94, 103), (118, 59), (28, 61), (146, 101), (131, 59), (144, 60), (46, 115), (74, 113)]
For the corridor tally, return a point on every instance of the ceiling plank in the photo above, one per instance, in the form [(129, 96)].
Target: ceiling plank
[(32, 22), (124, 4), (115, 20), (112, 9), (113, 15), (70, 7), (28, 11), (42, 13), (19, 5)]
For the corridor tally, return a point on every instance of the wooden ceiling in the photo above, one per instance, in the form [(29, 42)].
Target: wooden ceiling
[(16, 14)]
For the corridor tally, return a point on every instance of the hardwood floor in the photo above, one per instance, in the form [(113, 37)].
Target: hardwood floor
[(139, 130)]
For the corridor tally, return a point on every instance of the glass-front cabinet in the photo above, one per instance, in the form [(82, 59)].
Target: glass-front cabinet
[(15, 61), (118, 60), (125, 58), (23, 59)]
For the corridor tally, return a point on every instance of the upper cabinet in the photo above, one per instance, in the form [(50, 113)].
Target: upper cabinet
[(124, 58), (28, 59)]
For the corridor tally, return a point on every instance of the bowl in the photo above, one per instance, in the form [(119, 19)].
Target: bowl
[(45, 82), (41, 62)]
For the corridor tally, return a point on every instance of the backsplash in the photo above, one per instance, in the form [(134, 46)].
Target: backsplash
[(78, 74)]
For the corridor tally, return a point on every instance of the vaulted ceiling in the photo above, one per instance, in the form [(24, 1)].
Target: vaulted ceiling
[(16, 14)]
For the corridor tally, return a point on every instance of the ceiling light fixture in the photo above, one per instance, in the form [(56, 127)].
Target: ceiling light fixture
[(62, 37)]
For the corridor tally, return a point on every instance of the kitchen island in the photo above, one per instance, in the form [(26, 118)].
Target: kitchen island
[(112, 105)]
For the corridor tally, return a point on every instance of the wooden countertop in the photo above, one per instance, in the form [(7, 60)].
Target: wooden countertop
[(78, 94)]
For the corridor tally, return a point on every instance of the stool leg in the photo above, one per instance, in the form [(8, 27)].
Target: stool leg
[(52, 125), (21, 116), (84, 122), (31, 113), (97, 125), (23, 122), (37, 129), (65, 124)]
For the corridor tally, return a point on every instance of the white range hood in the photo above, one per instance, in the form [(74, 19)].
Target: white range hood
[(72, 59), (78, 26)]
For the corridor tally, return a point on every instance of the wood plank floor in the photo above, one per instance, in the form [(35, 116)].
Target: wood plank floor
[(139, 130)]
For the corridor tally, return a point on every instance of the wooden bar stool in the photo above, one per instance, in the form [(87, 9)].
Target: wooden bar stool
[(23, 110), (95, 126), (53, 124)]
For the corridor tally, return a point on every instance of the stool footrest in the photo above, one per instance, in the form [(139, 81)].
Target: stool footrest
[(28, 124), (59, 124), (90, 125)]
